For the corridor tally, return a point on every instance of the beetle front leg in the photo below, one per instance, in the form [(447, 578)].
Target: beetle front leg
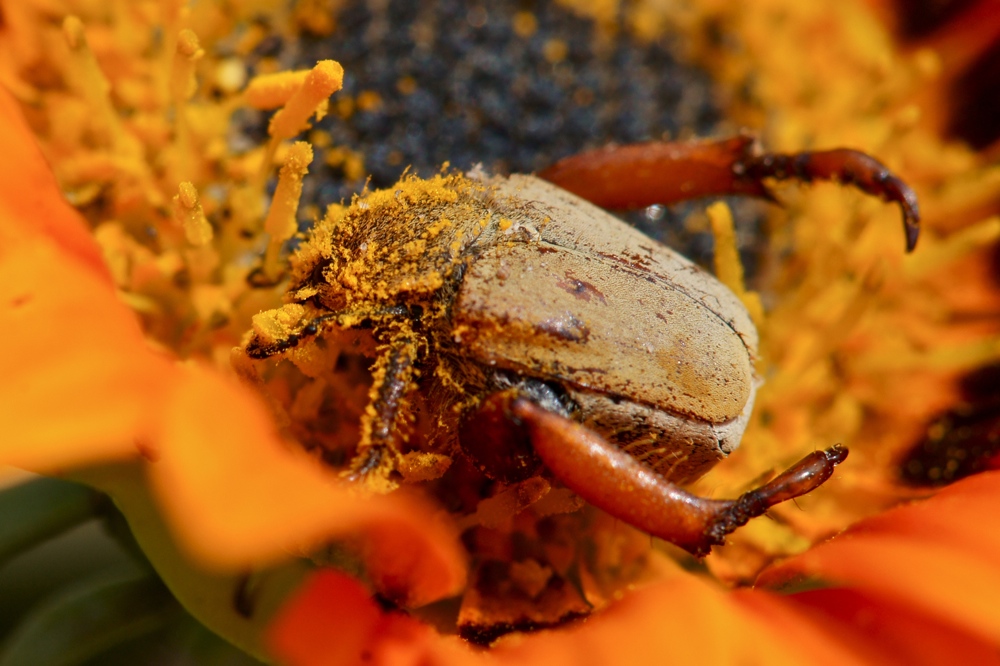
[(257, 349), (612, 480), (377, 452), (639, 175)]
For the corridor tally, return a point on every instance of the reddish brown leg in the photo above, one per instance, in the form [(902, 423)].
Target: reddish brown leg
[(617, 483), (638, 175)]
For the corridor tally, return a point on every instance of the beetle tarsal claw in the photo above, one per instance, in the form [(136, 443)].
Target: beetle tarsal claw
[(844, 165), (373, 469), (803, 477)]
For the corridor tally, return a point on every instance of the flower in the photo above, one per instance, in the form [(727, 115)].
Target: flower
[(119, 332)]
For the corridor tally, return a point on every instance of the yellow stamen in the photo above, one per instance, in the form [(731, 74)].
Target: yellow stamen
[(326, 78), (182, 79), (281, 221), (271, 91), (183, 85), (728, 267), (189, 214), (87, 77), (955, 247)]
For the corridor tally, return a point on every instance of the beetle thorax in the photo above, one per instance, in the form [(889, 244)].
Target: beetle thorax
[(401, 246)]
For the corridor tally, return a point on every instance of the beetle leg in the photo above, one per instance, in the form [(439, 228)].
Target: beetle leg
[(639, 175), (392, 377), (612, 480), (496, 443), (257, 350)]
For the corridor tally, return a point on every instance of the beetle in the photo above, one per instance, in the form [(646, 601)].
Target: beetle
[(547, 334)]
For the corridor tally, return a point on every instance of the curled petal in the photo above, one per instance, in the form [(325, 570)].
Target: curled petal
[(31, 204), (238, 496), (884, 632), (78, 378), (937, 555), (684, 620), (333, 620)]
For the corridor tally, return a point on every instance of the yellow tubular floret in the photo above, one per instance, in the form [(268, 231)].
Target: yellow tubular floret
[(323, 80), (728, 267), (189, 214), (281, 221), (271, 91)]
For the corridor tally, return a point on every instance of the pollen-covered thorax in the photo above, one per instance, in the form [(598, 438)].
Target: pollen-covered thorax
[(398, 246)]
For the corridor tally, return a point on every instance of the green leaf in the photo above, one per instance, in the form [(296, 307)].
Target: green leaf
[(39, 510), (87, 619), (238, 606)]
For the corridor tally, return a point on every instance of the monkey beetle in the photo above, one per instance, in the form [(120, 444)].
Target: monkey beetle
[(548, 335)]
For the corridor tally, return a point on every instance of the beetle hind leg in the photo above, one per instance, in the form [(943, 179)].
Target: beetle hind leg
[(639, 175), (611, 480)]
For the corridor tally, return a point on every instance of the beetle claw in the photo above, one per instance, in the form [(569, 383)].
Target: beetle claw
[(803, 477), (844, 165)]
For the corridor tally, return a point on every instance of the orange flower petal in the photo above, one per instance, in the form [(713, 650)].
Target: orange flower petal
[(683, 621), (238, 496), (890, 632), (77, 373), (334, 621), (31, 203), (939, 556), (78, 377)]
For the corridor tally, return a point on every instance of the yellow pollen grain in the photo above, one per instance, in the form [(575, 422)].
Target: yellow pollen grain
[(317, 17), (345, 106), (406, 85), (368, 100), (189, 214), (188, 46), (230, 75), (525, 24), (273, 325), (555, 50), (271, 91), (326, 78), (435, 229), (320, 138)]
